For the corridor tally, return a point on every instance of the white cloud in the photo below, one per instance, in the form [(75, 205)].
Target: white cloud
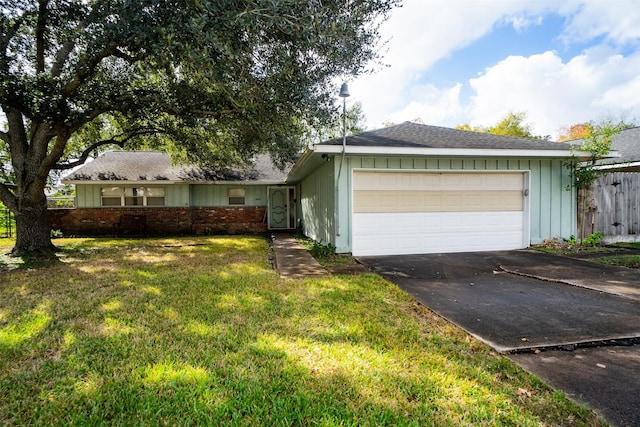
[(618, 20), (554, 93), (432, 105), (623, 96), (601, 80)]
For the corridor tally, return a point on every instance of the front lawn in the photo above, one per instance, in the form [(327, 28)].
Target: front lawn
[(201, 331)]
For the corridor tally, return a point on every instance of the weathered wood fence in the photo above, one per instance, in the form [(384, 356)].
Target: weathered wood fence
[(611, 206)]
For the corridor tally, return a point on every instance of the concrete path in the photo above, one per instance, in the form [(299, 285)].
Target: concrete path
[(293, 261)]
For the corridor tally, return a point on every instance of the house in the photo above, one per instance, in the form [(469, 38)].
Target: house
[(409, 188), (612, 205), (174, 199)]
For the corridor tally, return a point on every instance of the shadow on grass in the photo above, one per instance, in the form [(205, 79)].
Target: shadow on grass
[(206, 333)]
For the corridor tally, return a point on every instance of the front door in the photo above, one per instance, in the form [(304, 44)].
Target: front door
[(282, 208)]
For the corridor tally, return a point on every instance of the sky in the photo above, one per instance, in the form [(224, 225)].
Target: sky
[(451, 62)]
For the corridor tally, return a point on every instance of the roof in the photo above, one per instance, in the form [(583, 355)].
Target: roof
[(417, 135), (150, 166), (627, 144), (414, 139)]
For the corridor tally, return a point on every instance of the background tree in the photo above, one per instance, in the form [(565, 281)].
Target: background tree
[(597, 139), (577, 131), (355, 123), (212, 81), (513, 124)]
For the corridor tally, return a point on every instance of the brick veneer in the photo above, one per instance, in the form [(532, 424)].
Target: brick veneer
[(162, 221)]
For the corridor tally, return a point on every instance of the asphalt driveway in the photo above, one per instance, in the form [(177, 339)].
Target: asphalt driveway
[(520, 301)]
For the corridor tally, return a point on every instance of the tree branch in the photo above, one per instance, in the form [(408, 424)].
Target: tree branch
[(111, 141), (41, 27), (4, 136), (62, 56), (8, 197)]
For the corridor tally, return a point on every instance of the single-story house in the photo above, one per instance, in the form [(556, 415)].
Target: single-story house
[(409, 188), (175, 199), (612, 205)]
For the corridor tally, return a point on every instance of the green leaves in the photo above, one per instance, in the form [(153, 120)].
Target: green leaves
[(598, 144)]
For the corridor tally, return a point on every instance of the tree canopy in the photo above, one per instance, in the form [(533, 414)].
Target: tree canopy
[(512, 124), (214, 81), (577, 131)]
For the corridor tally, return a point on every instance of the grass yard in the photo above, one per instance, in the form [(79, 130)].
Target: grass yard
[(201, 331)]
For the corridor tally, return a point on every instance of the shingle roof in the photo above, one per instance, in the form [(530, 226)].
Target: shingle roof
[(156, 166), (627, 144), (410, 134)]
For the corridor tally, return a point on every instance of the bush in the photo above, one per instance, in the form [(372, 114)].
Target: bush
[(593, 240)]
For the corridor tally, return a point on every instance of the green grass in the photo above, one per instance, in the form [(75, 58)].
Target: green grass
[(629, 261), (201, 331)]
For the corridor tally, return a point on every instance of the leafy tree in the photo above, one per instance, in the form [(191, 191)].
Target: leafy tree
[(597, 142), (355, 123), (577, 131), (513, 124), (215, 81)]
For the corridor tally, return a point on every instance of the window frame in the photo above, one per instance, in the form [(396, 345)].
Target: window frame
[(133, 194), (237, 199)]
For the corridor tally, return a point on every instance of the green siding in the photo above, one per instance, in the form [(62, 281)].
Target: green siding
[(203, 195), (177, 195), (552, 209), (88, 195), (317, 204)]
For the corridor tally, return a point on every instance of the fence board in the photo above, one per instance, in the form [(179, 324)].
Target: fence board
[(611, 207)]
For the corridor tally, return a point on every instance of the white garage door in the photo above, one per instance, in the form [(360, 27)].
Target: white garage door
[(398, 212)]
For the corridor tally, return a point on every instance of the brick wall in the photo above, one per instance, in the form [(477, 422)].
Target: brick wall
[(162, 221)]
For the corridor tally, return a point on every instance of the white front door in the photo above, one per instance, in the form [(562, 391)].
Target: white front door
[(282, 210)]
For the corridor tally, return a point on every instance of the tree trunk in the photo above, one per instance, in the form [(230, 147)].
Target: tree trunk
[(33, 232)]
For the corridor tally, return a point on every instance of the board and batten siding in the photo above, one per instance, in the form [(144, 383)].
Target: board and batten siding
[(551, 196), (206, 195), (89, 195), (317, 204)]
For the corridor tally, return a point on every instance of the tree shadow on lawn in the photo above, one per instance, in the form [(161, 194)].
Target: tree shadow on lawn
[(191, 335)]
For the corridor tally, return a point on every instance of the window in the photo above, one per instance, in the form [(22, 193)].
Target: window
[(111, 196), (236, 196), (155, 196), (133, 196)]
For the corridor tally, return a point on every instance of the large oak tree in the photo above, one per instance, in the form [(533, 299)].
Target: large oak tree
[(215, 80)]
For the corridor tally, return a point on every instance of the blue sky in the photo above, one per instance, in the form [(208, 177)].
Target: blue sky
[(473, 61)]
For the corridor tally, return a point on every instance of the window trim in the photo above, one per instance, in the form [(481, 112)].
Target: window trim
[(237, 199), (134, 190)]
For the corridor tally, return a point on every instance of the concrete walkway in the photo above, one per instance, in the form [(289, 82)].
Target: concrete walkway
[(293, 261)]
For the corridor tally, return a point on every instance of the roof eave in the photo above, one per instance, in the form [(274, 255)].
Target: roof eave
[(172, 182), (119, 181), (454, 152)]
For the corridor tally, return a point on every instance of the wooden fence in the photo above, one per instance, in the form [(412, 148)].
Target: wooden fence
[(611, 207)]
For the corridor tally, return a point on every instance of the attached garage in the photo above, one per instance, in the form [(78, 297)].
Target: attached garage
[(410, 212), (413, 188)]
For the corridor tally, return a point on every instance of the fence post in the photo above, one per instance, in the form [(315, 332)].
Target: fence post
[(8, 222)]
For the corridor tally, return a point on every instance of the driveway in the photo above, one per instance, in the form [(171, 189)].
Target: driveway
[(518, 301)]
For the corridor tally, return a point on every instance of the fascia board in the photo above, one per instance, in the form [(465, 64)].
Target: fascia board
[(617, 165), (119, 181), (442, 152), (123, 182), (299, 165), (235, 182)]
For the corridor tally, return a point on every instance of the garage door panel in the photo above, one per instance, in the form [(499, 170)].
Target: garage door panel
[(425, 212), (436, 201), (379, 234)]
